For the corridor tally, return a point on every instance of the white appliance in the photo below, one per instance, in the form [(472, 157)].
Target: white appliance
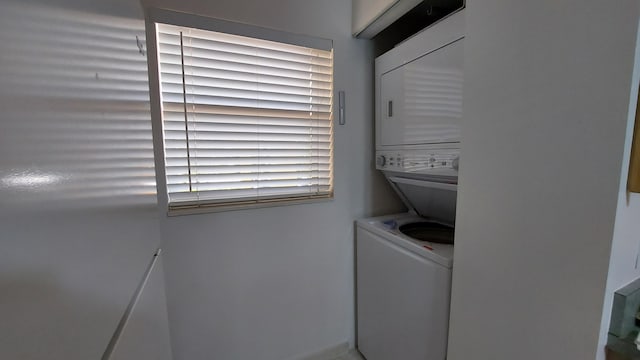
[(418, 115), (403, 289), (419, 88), (404, 261)]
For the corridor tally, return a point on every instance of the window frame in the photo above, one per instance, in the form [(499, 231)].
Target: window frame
[(154, 16)]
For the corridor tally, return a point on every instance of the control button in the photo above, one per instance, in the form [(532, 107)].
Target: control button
[(455, 163)]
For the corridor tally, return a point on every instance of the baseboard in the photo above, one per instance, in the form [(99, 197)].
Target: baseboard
[(328, 353)]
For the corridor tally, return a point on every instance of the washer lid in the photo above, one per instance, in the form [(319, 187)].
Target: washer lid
[(435, 200)]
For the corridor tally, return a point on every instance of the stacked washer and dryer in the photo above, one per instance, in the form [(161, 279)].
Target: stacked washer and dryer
[(404, 261)]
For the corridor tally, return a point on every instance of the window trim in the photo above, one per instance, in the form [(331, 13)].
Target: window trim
[(155, 15)]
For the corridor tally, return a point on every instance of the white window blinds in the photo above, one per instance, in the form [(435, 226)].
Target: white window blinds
[(245, 120)]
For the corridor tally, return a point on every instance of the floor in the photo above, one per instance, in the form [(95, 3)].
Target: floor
[(351, 355)]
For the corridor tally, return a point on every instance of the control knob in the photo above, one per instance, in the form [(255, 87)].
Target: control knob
[(381, 160), (455, 163)]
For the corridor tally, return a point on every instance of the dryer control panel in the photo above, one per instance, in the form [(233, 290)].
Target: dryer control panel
[(441, 162)]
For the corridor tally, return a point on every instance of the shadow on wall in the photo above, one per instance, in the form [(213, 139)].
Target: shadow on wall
[(76, 121), (75, 134), (65, 281)]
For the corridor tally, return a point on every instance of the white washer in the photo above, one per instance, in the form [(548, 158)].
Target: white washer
[(403, 291)]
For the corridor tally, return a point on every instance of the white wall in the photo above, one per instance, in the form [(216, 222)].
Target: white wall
[(546, 102), (277, 283), (269, 284), (78, 214), (625, 247)]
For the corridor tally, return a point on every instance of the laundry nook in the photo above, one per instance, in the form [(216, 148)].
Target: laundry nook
[(319, 180)]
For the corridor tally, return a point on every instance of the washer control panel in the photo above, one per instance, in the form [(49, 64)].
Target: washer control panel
[(419, 161)]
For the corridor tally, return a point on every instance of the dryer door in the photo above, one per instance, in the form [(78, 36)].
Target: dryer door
[(421, 102)]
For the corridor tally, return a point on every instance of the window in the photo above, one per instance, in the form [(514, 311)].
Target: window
[(245, 120)]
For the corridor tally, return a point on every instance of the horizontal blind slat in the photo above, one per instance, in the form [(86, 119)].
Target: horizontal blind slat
[(266, 67), (197, 146), (251, 168), (216, 139), (173, 71), (243, 81), (239, 153), (255, 93), (196, 100), (172, 118), (172, 129), (169, 34), (321, 160), (246, 55), (171, 45), (264, 113), (224, 179)]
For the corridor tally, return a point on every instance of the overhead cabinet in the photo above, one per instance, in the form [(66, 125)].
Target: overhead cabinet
[(400, 18), (372, 16)]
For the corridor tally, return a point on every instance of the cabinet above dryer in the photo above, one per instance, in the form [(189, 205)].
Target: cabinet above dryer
[(369, 17), (400, 18)]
